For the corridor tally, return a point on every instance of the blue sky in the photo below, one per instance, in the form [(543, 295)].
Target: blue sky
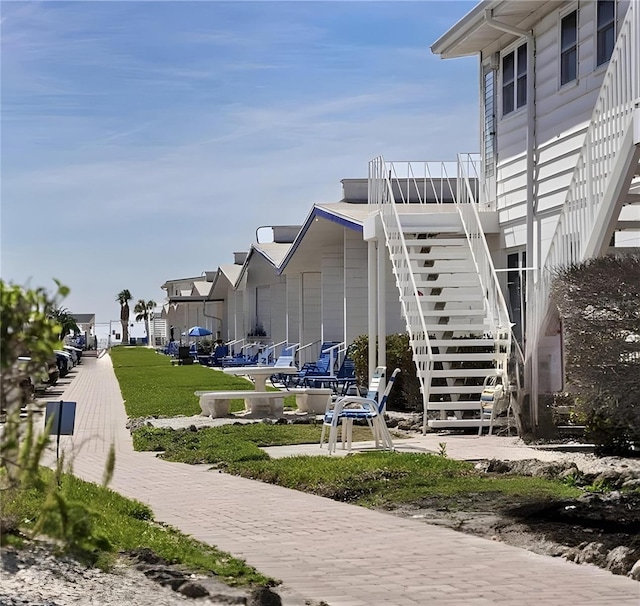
[(145, 141)]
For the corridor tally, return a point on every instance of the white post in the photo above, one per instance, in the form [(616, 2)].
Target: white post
[(382, 307), (373, 303)]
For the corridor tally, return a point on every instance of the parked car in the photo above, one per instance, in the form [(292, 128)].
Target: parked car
[(64, 360), (75, 352)]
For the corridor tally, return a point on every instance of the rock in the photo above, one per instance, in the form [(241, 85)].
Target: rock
[(263, 596), (632, 484), (166, 577), (146, 555), (621, 560), (609, 478), (192, 590), (592, 553), (634, 573)]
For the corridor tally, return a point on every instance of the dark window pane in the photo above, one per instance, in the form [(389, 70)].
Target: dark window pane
[(507, 99), (522, 60), (507, 68), (568, 66), (569, 31), (606, 11), (522, 90), (606, 30)]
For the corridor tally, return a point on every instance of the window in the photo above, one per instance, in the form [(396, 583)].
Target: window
[(514, 79), (489, 134), (516, 289), (569, 48), (606, 30)]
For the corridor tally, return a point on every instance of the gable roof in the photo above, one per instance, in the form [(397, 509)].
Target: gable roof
[(272, 252), (201, 288), (84, 318), (348, 215)]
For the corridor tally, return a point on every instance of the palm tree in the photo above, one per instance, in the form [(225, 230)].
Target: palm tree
[(144, 312), (67, 322), (123, 297)]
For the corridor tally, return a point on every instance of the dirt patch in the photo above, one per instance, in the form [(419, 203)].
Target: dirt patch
[(601, 529)]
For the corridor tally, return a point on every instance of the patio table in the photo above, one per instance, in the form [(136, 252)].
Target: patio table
[(259, 374)]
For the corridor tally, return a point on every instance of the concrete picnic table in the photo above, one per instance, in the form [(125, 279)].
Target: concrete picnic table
[(259, 374)]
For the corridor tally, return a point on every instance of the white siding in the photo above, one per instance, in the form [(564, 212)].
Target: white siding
[(311, 314), (279, 311), (332, 296), (561, 116), (394, 318), (355, 286), (263, 308), (293, 287)]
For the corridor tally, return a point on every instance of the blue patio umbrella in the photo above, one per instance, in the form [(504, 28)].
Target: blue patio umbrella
[(199, 331)]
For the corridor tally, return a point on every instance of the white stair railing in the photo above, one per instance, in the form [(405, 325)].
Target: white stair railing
[(611, 119), (381, 175), (496, 310)]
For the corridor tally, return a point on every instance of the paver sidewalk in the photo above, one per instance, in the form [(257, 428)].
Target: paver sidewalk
[(322, 549)]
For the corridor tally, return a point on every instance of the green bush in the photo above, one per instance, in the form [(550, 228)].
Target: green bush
[(597, 302), (405, 396)]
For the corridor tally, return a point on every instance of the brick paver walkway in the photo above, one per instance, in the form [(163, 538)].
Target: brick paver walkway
[(322, 549)]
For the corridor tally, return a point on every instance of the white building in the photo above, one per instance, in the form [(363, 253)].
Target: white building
[(558, 183), (461, 254)]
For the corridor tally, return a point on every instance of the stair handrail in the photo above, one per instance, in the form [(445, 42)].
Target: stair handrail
[(496, 310), (381, 195), (613, 113), (429, 178)]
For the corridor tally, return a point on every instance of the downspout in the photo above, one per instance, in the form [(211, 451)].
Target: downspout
[(531, 382)]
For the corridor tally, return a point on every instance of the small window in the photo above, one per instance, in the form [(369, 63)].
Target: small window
[(514, 79), (569, 48), (606, 30)]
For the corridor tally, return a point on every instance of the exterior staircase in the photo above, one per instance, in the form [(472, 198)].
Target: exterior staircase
[(445, 278)]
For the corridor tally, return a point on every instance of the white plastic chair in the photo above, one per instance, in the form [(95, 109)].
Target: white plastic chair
[(346, 410), (491, 402)]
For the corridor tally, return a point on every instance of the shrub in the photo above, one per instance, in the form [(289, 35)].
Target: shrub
[(599, 304), (406, 393)]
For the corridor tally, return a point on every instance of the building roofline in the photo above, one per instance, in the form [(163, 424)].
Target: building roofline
[(317, 212)]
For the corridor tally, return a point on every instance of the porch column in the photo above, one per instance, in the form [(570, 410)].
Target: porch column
[(382, 304), (372, 275)]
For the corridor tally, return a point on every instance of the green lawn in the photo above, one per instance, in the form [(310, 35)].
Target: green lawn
[(104, 523), (229, 443), (371, 479), (152, 386)]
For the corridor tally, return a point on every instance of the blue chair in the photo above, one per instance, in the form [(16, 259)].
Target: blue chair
[(286, 359), (319, 368), (344, 411), (340, 383)]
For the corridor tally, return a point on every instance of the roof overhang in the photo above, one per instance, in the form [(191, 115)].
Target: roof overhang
[(473, 33)]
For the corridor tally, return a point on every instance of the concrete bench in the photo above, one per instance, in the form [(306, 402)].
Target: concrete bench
[(312, 399), (217, 403)]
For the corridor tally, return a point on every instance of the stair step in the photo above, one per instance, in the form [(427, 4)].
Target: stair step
[(454, 423), (454, 406), (462, 343), (463, 357), (449, 281), (458, 389), (461, 373), (451, 313), (453, 242), (445, 298), (436, 328), (445, 254)]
